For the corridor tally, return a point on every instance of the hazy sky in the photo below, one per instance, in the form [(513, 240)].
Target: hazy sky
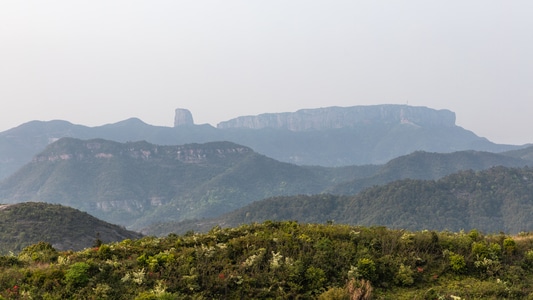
[(97, 62)]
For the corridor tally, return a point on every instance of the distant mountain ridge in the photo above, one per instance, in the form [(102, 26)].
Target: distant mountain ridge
[(429, 166), (344, 117), (335, 136)]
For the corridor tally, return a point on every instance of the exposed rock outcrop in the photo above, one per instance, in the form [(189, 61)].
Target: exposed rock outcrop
[(183, 117), (82, 150), (341, 117)]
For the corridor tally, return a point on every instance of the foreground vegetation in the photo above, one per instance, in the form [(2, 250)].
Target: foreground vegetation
[(280, 260)]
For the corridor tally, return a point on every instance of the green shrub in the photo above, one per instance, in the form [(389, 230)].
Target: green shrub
[(9, 261), (334, 293), (315, 278), (457, 263), (78, 274), (509, 246), (41, 252), (404, 276), (482, 250), (366, 269)]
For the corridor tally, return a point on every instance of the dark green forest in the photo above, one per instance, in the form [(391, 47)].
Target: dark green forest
[(493, 200), (280, 260), (64, 227)]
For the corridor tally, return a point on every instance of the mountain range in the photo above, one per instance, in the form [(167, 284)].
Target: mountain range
[(312, 175), (135, 184), (331, 136)]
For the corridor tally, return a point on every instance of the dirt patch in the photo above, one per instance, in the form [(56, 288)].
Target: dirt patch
[(4, 206)]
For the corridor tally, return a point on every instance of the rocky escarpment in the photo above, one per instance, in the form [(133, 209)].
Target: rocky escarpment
[(71, 148), (342, 117), (182, 117)]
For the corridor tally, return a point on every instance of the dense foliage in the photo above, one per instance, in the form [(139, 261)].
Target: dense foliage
[(65, 228), (282, 260), (425, 165), (493, 200)]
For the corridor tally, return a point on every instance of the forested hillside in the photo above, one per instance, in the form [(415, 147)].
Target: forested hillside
[(493, 200), (65, 228), (132, 184), (426, 165), (280, 260)]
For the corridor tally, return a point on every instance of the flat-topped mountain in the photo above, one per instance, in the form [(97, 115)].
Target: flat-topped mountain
[(345, 117), (334, 136), (65, 228)]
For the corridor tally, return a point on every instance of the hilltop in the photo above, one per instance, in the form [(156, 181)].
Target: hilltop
[(280, 260), (65, 228)]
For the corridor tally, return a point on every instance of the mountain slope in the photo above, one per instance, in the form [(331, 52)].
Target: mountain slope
[(20, 144), (425, 165), (134, 183), (65, 228), (493, 200), (498, 199), (524, 153)]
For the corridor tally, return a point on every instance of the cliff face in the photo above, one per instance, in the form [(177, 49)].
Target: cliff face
[(341, 117), (80, 150), (182, 117)]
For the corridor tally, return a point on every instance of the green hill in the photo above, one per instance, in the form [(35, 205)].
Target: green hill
[(493, 200), (524, 153), (280, 260), (65, 228), (426, 165)]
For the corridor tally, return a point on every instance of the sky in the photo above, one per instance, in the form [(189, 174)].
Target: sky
[(98, 62)]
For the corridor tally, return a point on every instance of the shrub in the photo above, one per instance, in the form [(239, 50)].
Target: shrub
[(404, 276), (78, 274), (9, 261), (334, 293), (457, 263), (366, 269), (509, 246), (41, 252), (315, 278)]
